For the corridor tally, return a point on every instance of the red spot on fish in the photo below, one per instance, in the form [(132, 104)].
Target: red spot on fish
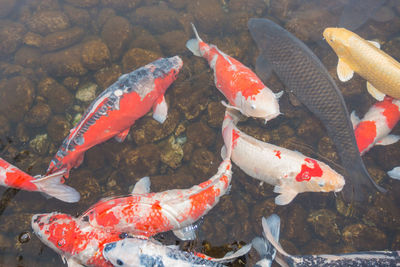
[(308, 172), (365, 134), (277, 153), (201, 201), (390, 111), (235, 136)]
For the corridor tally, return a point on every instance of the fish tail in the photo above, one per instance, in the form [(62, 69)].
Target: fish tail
[(52, 185), (268, 245), (360, 184), (194, 44)]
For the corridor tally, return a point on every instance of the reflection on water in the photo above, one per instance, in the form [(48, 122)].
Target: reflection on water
[(56, 56)]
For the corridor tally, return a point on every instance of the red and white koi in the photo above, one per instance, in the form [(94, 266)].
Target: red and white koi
[(241, 86), (11, 176), (375, 126), (77, 242), (145, 214), (115, 110), (291, 172)]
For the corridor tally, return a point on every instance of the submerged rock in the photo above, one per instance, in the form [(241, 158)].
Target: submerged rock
[(38, 115), (95, 55), (4, 126), (108, 75), (40, 144), (11, 36), (324, 223), (45, 22), (58, 128), (6, 7), (171, 152), (136, 58), (61, 39), (59, 98), (158, 19), (66, 62), (140, 161), (200, 134), (116, 33), (87, 92), (204, 163), (364, 238)]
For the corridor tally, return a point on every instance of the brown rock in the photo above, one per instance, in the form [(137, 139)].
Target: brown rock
[(116, 33), (40, 144), (324, 222), (384, 213), (171, 152), (38, 115), (215, 114), (108, 75), (121, 5), (208, 15), (4, 126), (327, 149), (59, 98), (61, 39), (281, 9), (86, 183), (95, 55), (16, 97), (295, 225), (315, 247), (11, 36), (6, 7), (200, 134), (158, 19), (104, 15), (64, 63), (45, 22), (204, 163), (173, 43), (140, 161), (58, 128), (364, 238), (22, 133), (136, 58), (254, 7), (33, 39), (145, 40), (78, 16), (71, 83), (27, 57), (178, 4), (83, 3)]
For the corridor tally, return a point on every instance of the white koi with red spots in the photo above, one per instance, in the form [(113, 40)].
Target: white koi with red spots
[(116, 109), (77, 242), (11, 176), (375, 126), (240, 85), (145, 214), (291, 172)]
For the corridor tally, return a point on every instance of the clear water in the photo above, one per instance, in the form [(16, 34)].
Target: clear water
[(312, 223)]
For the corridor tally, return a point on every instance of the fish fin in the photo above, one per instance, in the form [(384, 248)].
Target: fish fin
[(160, 110), (355, 120), (378, 95), (229, 106), (227, 136), (279, 94), (344, 71), (271, 228), (142, 186), (388, 140), (263, 68), (72, 263), (394, 173), (122, 135), (231, 256), (186, 233), (52, 185), (193, 44), (176, 247), (223, 152), (286, 195), (375, 43)]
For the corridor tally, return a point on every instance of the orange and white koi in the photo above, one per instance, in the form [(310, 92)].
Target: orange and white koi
[(241, 86), (375, 126), (77, 242), (11, 176), (291, 172), (145, 214), (115, 110)]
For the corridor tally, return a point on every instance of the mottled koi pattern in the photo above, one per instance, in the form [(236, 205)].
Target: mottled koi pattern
[(115, 110), (291, 172), (147, 214), (76, 241), (375, 126)]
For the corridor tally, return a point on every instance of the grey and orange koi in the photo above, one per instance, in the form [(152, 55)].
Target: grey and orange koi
[(116, 109)]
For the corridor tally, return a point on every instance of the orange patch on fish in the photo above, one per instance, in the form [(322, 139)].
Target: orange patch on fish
[(235, 136), (307, 172), (277, 153), (365, 134), (390, 111), (201, 201)]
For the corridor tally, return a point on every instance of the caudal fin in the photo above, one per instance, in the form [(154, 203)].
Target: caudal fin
[(232, 256), (52, 185), (193, 44), (268, 245)]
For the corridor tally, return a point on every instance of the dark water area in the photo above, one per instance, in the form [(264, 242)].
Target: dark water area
[(57, 56)]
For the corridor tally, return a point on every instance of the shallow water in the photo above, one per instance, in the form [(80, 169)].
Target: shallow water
[(40, 77)]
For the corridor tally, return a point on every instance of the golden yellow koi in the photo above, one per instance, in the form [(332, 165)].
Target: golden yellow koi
[(356, 54)]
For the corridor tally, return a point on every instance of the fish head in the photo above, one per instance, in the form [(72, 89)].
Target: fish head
[(330, 181), (339, 39), (263, 105), (61, 232), (165, 70), (126, 252)]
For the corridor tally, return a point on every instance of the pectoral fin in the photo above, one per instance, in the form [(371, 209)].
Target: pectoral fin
[(395, 173), (186, 233), (286, 195), (375, 43), (72, 263), (142, 186), (388, 140), (355, 120), (160, 110), (378, 95), (122, 135), (344, 71)]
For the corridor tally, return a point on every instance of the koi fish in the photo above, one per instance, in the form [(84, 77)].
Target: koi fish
[(136, 252), (77, 242), (115, 110), (376, 125), (364, 57), (145, 214), (304, 75), (241, 86), (11, 176), (365, 259), (291, 172)]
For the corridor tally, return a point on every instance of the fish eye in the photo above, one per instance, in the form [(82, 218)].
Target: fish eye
[(123, 235), (61, 242), (253, 106), (119, 262)]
